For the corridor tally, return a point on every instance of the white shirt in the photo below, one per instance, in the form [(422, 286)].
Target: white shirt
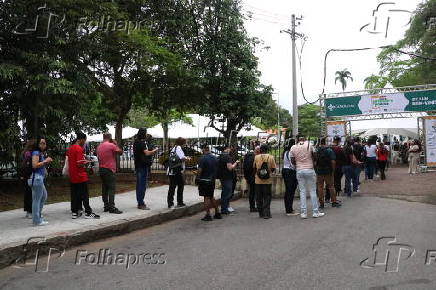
[(371, 151), (287, 160)]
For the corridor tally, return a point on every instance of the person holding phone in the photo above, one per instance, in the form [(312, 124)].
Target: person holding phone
[(225, 173)]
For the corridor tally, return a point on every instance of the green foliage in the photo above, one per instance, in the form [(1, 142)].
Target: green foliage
[(269, 116), (403, 70), (309, 121)]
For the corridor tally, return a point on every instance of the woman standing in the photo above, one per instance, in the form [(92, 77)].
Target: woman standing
[(26, 169), (371, 158), (382, 159), (36, 181), (290, 178), (414, 153)]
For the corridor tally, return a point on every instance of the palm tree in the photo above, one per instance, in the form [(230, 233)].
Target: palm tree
[(375, 82), (342, 77)]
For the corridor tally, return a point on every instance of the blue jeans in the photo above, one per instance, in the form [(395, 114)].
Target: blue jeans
[(141, 184), (350, 176), (226, 194), (307, 183), (39, 196), (357, 171), (370, 165)]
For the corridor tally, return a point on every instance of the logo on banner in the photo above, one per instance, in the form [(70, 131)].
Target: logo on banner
[(380, 103)]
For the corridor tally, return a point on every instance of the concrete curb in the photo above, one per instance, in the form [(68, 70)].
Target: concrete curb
[(16, 252)]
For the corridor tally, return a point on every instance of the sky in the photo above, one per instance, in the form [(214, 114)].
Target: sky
[(326, 24)]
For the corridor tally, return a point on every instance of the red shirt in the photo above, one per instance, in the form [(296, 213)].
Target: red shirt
[(77, 174), (382, 156), (105, 154)]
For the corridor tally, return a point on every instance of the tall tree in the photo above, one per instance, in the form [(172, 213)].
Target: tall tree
[(342, 76)]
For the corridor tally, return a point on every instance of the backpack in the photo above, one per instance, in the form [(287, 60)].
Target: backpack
[(248, 166), (174, 160), (221, 167), (26, 167), (263, 172), (322, 160)]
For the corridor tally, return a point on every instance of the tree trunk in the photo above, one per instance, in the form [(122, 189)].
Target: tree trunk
[(165, 136), (119, 135)]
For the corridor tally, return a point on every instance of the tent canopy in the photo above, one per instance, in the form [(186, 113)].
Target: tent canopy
[(386, 131), (198, 129)]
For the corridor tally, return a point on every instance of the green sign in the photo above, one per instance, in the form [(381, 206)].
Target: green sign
[(417, 101)]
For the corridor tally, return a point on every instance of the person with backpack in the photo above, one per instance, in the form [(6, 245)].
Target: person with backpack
[(36, 180), (325, 162), (350, 163), (79, 178), (249, 177), (175, 170), (382, 159), (26, 172), (205, 180), (140, 153), (264, 165), (107, 162), (225, 172), (302, 157), (289, 175)]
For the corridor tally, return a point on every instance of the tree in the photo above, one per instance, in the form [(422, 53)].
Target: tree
[(342, 77), (268, 118), (309, 121), (375, 82), (418, 68)]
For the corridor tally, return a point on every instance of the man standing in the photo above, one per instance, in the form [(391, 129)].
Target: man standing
[(264, 165), (302, 157), (324, 167), (249, 177), (225, 174), (359, 153), (207, 168), (340, 159), (106, 159), (140, 153), (79, 179)]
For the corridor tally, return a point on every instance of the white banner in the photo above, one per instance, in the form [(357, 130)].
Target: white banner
[(336, 129), (430, 140)]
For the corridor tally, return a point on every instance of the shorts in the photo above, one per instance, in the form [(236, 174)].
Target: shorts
[(206, 189)]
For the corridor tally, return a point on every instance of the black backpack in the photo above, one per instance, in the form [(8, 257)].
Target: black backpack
[(221, 167), (248, 166), (26, 167), (174, 160), (263, 172), (323, 160)]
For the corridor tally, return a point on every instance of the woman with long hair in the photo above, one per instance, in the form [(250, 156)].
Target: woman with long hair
[(382, 159), (414, 153), (290, 178), (36, 180), (26, 167)]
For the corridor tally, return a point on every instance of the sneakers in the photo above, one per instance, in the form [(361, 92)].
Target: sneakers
[(43, 223), (318, 214), (336, 204), (207, 218), (180, 205), (28, 215), (171, 206), (327, 201), (92, 216), (230, 209), (303, 215), (217, 216), (321, 206), (143, 207), (76, 215), (115, 211), (292, 213)]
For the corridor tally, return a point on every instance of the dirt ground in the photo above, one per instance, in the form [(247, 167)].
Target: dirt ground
[(400, 185)]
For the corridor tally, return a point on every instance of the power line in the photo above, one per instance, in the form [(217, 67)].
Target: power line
[(265, 11)]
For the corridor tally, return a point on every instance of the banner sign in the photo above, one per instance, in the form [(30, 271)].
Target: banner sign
[(430, 140), (416, 101), (336, 129)]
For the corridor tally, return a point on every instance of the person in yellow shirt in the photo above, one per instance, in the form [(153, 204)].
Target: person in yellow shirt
[(264, 165)]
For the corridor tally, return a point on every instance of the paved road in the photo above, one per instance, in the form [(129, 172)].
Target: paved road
[(245, 252)]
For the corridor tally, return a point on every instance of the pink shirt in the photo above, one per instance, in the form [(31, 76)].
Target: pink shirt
[(303, 155), (106, 155)]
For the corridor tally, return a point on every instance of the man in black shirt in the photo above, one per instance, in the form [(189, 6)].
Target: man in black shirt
[(358, 151), (140, 153), (207, 168), (225, 174)]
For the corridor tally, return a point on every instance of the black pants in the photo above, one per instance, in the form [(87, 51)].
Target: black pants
[(337, 177), (80, 196), (263, 194), (107, 188), (291, 183), (382, 167), (27, 197), (178, 181), (251, 193)]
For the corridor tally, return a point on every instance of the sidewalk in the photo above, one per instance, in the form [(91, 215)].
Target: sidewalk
[(64, 232)]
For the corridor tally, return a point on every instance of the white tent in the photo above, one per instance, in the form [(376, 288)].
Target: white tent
[(410, 133), (199, 128)]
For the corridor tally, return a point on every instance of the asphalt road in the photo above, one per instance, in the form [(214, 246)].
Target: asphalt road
[(245, 252)]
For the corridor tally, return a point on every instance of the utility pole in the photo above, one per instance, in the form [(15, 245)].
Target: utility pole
[(294, 36)]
